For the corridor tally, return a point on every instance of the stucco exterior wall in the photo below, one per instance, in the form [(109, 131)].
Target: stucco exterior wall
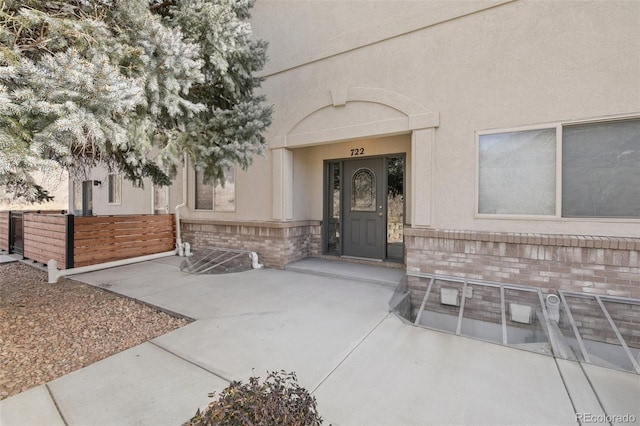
[(135, 200), (253, 200), (514, 64), (423, 78)]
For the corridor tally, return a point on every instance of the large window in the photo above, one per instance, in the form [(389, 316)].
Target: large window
[(220, 197), (517, 173), (601, 170), (594, 167)]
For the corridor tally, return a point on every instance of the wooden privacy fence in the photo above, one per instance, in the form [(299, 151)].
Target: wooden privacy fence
[(75, 241), (103, 239), (45, 237)]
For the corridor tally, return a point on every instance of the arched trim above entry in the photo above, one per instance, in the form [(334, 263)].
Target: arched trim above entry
[(354, 112)]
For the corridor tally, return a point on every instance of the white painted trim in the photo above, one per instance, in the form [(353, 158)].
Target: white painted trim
[(282, 167), (55, 274), (416, 117), (558, 125)]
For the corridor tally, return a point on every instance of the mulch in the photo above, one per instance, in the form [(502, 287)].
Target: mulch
[(49, 330)]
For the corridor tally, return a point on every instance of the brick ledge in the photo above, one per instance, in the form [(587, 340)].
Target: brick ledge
[(254, 223), (558, 240)]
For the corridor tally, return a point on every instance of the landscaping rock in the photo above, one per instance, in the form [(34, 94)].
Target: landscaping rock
[(49, 330)]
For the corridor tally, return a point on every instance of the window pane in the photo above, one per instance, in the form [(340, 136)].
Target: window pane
[(160, 199), (225, 194), (114, 188), (77, 197), (363, 191), (601, 170), (87, 198), (204, 193), (517, 173), (335, 192), (395, 209)]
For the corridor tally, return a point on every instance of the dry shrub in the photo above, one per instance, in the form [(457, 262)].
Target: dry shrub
[(279, 400)]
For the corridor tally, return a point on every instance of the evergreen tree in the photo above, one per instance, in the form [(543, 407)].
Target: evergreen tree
[(129, 84)]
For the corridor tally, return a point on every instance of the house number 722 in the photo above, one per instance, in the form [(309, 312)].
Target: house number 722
[(357, 151)]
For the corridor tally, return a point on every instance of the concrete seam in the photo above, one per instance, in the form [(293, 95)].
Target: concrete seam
[(566, 388), (349, 354), (377, 282), (135, 299), (55, 403), (190, 362), (594, 391)]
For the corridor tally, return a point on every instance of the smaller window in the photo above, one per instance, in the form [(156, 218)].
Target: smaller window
[(115, 189), (160, 199), (363, 191), (220, 197), (77, 197), (83, 198)]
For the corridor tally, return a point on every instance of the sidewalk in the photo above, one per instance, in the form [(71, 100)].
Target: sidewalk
[(364, 365)]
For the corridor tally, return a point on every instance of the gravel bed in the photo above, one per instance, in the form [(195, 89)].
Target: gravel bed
[(49, 330)]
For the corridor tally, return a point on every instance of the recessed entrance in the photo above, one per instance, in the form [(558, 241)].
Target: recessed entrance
[(364, 208)]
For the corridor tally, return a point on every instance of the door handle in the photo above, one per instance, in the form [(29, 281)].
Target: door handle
[(380, 214)]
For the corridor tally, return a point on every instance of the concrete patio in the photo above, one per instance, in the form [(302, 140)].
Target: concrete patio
[(364, 365)]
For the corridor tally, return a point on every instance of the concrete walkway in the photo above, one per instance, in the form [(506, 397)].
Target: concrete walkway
[(364, 365)]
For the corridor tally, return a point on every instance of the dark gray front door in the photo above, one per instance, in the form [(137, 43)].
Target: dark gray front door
[(363, 213)]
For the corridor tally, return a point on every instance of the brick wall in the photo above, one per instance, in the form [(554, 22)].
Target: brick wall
[(593, 325), (277, 243), (599, 265), (482, 302)]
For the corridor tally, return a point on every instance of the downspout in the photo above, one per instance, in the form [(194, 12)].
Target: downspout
[(180, 246)]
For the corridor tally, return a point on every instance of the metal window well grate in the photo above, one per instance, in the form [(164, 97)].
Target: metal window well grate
[(215, 260), (594, 329)]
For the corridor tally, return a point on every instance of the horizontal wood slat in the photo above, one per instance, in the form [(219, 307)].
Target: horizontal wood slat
[(122, 239), (45, 237), (103, 239), (90, 234), (96, 239), (44, 218), (106, 258), (93, 220)]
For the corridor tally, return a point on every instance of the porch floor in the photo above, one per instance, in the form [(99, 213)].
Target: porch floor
[(374, 274)]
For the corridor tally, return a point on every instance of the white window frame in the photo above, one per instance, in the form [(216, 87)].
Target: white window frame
[(558, 207), (213, 189), (165, 190), (117, 191)]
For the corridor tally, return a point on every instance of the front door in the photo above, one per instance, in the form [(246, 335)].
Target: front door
[(364, 208)]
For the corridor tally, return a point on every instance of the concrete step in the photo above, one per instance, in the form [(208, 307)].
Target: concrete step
[(380, 275)]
